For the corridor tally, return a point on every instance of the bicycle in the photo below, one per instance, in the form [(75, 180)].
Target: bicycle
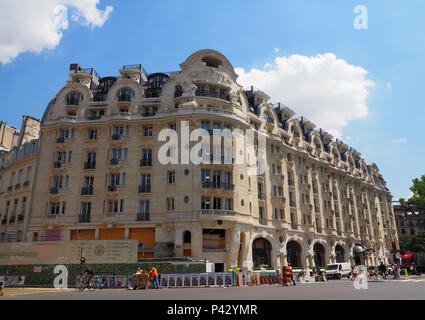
[(83, 283)]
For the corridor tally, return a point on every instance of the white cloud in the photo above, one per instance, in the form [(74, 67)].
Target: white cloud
[(389, 86), (399, 140), (276, 50), (326, 90), (34, 25)]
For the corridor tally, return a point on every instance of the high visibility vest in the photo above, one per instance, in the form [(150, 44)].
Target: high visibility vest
[(154, 272), (230, 270)]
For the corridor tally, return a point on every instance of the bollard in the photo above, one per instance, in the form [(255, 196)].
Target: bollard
[(405, 271)]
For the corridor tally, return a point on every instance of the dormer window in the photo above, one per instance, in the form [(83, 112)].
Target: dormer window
[(295, 133), (268, 118), (73, 99), (125, 95), (178, 92), (211, 62)]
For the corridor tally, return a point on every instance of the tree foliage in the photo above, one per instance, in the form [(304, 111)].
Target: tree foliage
[(412, 243), (418, 197)]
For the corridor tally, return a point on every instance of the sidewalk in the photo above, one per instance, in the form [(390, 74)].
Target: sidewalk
[(19, 291)]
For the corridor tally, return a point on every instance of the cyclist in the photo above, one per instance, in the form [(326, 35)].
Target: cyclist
[(89, 274)]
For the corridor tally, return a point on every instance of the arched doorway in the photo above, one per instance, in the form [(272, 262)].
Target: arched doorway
[(187, 244), (340, 253), (319, 255), (293, 251), (261, 253)]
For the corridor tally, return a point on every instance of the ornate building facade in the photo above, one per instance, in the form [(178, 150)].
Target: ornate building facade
[(99, 177), (17, 167)]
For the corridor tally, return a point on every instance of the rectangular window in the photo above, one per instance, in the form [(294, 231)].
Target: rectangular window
[(69, 156), (228, 204), (23, 206), (170, 204), (144, 206), (28, 175), (217, 204), (92, 134), (63, 207), (171, 177), (147, 131), (54, 207), (205, 203)]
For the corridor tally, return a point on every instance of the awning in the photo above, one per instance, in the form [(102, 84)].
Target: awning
[(407, 256)]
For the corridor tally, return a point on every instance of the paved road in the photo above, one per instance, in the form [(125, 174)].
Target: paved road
[(412, 289)]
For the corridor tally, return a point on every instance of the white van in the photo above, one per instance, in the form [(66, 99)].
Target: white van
[(338, 270)]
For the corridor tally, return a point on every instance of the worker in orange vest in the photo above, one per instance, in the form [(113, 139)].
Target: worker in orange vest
[(154, 274)]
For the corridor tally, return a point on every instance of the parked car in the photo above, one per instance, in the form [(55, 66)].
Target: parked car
[(338, 270)]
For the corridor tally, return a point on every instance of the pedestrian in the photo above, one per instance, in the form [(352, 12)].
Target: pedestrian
[(383, 270), (292, 274), (154, 274), (355, 272), (396, 272)]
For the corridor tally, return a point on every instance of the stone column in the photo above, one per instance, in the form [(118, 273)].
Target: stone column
[(197, 242), (247, 252), (96, 234), (178, 240), (232, 245), (127, 233)]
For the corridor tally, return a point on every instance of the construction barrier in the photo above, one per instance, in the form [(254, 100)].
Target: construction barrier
[(13, 281)]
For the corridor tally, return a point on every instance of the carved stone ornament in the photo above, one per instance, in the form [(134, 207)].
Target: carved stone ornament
[(189, 89)]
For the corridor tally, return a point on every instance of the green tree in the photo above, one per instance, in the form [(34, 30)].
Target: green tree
[(418, 197)]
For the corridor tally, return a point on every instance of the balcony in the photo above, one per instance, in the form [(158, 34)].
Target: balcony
[(218, 185), (4, 220), (145, 188), (94, 117), (112, 188), (143, 216), (263, 222), (215, 212), (85, 191), (261, 196), (12, 218), (54, 190), (212, 94), (292, 204), (84, 218), (9, 188), (58, 164), (116, 136), (17, 186), (90, 165), (21, 217), (26, 183), (114, 162), (146, 163), (60, 140)]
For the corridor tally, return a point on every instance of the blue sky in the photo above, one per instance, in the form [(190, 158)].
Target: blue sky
[(162, 34)]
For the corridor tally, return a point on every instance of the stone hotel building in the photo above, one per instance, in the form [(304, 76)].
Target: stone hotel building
[(98, 175)]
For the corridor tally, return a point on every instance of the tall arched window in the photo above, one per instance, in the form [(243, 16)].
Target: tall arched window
[(125, 94), (73, 99)]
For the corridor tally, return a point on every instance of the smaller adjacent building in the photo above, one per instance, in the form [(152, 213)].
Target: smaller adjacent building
[(409, 220), (17, 168)]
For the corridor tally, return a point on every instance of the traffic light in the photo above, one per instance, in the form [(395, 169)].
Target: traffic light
[(394, 247)]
